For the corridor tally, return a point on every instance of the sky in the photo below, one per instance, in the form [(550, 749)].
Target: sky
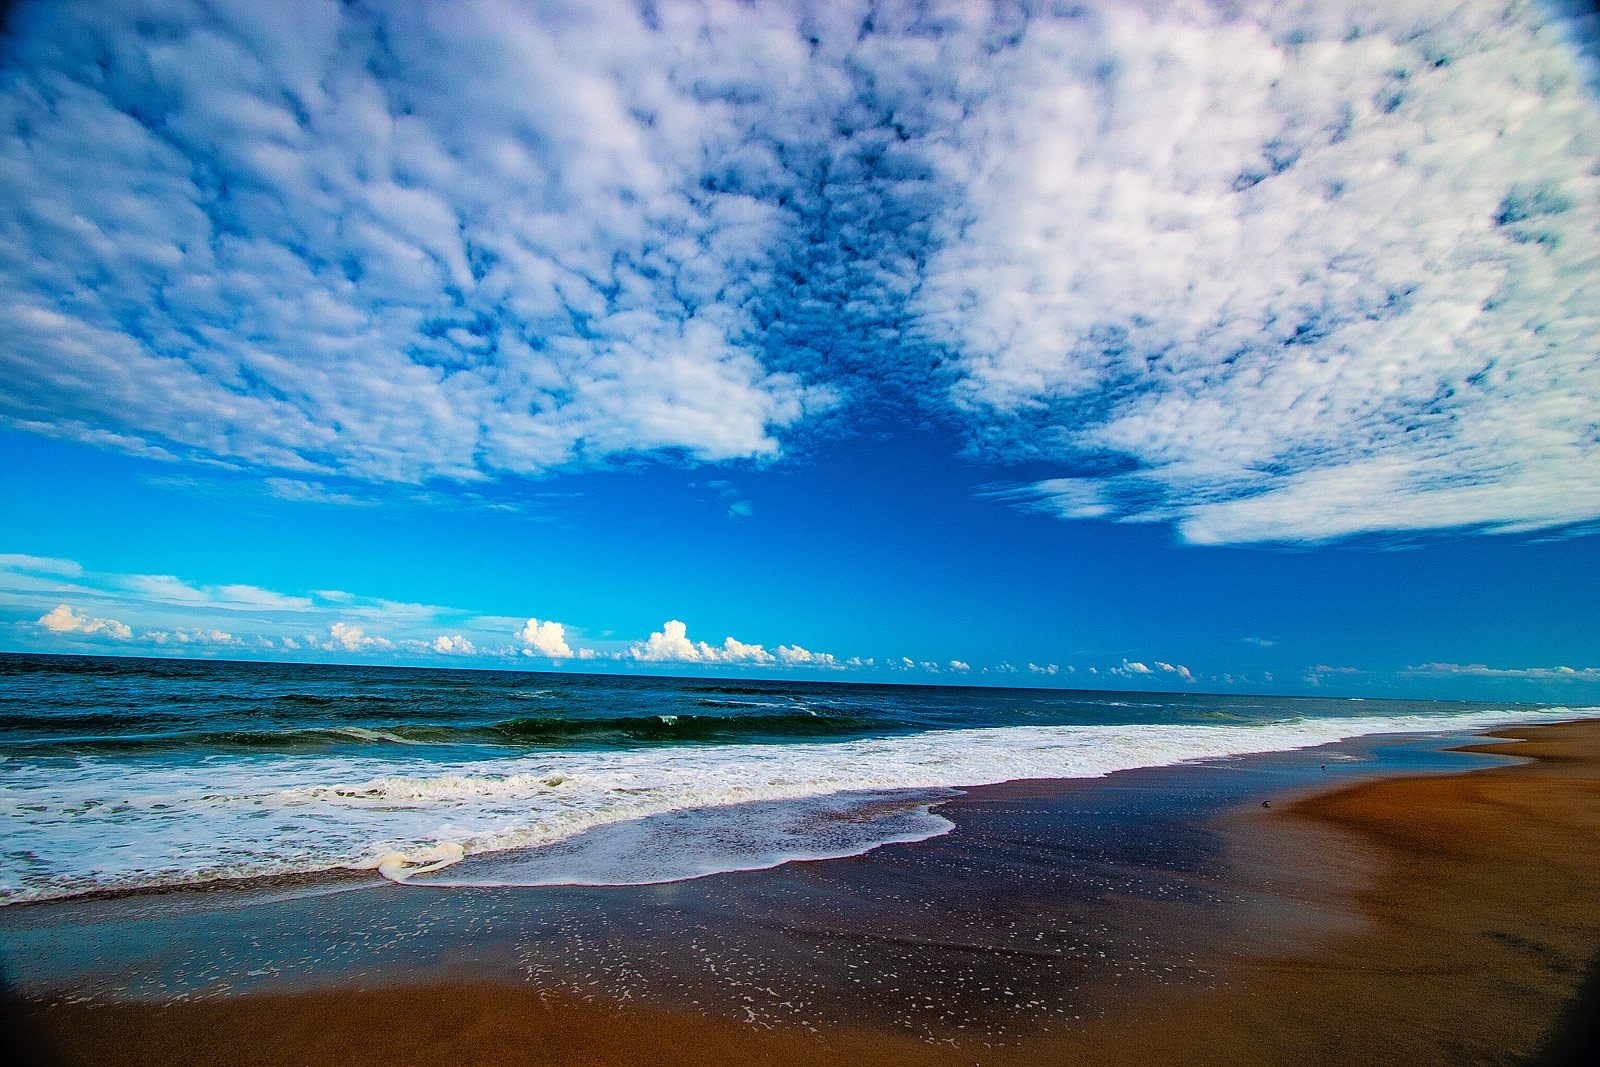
[(1170, 346)]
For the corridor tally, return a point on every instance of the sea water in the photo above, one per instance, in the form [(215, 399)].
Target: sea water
[(128, 773)]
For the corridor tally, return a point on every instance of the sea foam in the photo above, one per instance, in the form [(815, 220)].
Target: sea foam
[(73, 825)]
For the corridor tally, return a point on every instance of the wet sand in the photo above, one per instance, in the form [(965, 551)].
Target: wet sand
[(1425, 919)]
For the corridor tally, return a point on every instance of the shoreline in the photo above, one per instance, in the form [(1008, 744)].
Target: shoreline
[(1243, 1004), (343, 878)]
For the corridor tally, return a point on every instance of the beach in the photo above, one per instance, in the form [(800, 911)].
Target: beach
[(1364, 902)]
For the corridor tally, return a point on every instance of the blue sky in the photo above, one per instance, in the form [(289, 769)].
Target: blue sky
[(1131, 346)]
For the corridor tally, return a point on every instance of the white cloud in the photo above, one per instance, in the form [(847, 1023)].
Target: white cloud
[(44, 565), (313, 492), (1134, 668), (794, 655), (1317, 675), (55, 598), (343, 636), (1175, 668), (449, 240), (1267, 272), (164, 588), (957, 665), (1050, 668), (63, 620), (1479, 670), (671, 644), (545, 639), (1307, 270)]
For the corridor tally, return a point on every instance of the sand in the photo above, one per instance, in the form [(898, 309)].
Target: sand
[(1471, 907)]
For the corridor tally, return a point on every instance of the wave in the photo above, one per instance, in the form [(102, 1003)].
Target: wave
[(689, 727), (81, 734), (110, 824)]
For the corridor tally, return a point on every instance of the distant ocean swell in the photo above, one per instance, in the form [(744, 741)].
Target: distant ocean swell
[(108, 821), (81, 734)]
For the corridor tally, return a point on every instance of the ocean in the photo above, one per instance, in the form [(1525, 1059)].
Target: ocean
[(125, 774)]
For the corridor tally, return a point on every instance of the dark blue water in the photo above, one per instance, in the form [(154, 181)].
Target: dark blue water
[(82, 704)]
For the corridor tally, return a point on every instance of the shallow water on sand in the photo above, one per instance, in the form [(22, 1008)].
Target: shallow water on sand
[(1047, 903)]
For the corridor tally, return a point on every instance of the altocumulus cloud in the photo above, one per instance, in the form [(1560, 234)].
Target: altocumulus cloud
[(1296, 273), (1273, 272), (431, 240)]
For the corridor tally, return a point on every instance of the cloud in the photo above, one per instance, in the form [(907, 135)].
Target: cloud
[(205, 638), (794, 655), (63, 620), (164, 588), (456, 645), (1175, 668), (1275, 272), (1288, 273), (59, 599), (1479, 670), (313, 493), (343, 636), (43, 565), (398, 243), (1050, 668), (1319, 674), (957, 665), (671, 644), (1134, 668), (1259, 642), (545, 639)]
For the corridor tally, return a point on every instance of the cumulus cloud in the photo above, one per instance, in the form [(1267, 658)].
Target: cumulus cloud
[(205, 638), (343, 636), (545, 639), (1286, 272), (1134, 668), (1175, 668), (57, 598), (63, 620), (794, 655), (957, 665), (671, 644)]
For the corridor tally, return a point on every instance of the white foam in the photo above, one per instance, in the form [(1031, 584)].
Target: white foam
[(106, 822)]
